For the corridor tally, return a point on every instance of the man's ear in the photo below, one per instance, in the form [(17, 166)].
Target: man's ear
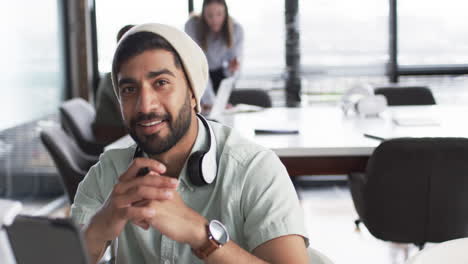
[(193, 100)]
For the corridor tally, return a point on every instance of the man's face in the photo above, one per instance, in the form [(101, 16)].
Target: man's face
[(156, 100)]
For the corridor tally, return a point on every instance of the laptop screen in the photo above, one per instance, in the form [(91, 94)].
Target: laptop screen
[(42, 240), (222, 97)]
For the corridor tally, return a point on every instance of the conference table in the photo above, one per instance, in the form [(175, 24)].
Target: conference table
[(329, 142)]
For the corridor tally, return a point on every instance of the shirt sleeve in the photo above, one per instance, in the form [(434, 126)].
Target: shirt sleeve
[(88, 198), (237, 49), (269, 202), (238, 42)]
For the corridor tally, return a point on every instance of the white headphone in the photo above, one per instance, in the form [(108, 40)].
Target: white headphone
[(363, 101), (202, 167)]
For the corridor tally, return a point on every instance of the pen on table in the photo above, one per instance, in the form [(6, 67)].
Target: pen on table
[(374, 137), (275, 131)]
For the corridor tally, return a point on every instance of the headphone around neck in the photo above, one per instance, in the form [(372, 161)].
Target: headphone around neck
[(201, 165)]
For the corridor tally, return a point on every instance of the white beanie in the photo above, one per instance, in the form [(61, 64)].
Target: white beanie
[(192, 56)]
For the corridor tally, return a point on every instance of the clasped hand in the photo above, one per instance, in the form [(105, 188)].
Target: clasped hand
[(149, 201)]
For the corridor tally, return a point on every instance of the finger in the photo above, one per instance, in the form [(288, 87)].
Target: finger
[(142, 193), (136, 214), (150, 193), (139, 163), (152, 179), (155, 180)]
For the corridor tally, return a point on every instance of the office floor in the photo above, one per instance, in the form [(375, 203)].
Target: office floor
[(329, 216)]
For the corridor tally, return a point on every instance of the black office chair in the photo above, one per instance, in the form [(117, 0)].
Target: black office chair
[(72, 164), (250, 96), (415, 95), (77, 117), (415, 190)]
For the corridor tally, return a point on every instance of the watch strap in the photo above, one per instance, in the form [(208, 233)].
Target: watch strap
[(208, 247)]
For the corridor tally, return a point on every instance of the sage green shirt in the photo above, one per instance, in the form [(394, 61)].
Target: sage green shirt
[(252, 195)]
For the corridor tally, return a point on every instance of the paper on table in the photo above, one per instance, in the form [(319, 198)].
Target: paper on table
[(415, 121), (243, 108)]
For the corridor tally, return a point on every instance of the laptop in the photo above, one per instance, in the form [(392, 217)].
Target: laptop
[(44, 240), (222, 98)]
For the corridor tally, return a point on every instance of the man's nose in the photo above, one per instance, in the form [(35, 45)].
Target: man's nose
[(148, 99)]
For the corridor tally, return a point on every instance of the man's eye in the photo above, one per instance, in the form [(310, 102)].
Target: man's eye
[(127, 90), (161, 82)]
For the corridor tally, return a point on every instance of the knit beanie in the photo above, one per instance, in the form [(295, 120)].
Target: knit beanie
[(192, 56)]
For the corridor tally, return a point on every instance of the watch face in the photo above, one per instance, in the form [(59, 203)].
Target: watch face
[(219, 232)]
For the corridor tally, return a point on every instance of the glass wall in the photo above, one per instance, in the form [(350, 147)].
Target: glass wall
[(32, 63), (432, 32)]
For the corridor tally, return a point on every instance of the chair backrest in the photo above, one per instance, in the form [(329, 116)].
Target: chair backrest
[(250, 96), (77, 117), (72, 164), (417, 190), (415, 95)]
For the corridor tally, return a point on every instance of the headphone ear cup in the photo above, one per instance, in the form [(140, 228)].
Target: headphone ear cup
[(194, 167)]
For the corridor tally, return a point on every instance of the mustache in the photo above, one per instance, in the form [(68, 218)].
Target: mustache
[(148, 116)]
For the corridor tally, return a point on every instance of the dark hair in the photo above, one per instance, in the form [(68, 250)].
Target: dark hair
[(138, 43), (123, 30), (226, 30)]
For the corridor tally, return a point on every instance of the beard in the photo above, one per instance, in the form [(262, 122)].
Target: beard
[(155, 144)]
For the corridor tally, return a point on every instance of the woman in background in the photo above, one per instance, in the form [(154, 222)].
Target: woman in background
[(220, 37)]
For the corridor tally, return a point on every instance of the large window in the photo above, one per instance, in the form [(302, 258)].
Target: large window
[(32, 63), (344, 37), (262, 20), (263, 23), (432, 32), (113, 15), (342, 43)]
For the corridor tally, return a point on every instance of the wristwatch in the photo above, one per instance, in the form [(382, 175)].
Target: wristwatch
[(217, 237)]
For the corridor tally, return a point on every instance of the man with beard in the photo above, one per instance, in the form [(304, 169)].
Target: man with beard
[(162, 215)]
